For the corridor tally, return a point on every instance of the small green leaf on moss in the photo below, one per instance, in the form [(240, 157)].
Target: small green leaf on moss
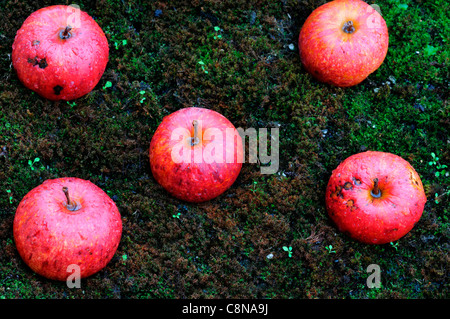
[(430, 50)]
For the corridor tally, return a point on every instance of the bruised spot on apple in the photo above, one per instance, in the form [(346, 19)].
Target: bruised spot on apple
[(57, 89), (42, 63), (63, 222), (375, 197)]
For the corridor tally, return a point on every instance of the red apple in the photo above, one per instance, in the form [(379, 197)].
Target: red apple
[(196, 154), (60, 52), (375, 197), (343, 41), (67, 221)]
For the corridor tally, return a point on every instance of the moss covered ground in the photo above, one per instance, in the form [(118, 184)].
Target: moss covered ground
[(250, 72)]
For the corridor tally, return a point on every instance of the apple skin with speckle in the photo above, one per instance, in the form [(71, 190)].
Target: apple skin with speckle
[(203, 174), (50, 236), (381, 217)]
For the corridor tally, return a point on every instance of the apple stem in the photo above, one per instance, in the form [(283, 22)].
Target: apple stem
[(65, 34), (348, 27), (70, 205), (375, 191), (195, 140)]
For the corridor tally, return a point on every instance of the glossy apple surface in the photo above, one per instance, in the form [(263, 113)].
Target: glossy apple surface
[(60, 63), (50, 234), (200, 172), (375, 197), (343, 41)]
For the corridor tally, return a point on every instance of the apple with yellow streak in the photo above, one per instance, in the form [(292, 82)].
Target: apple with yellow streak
[(343, 41)]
